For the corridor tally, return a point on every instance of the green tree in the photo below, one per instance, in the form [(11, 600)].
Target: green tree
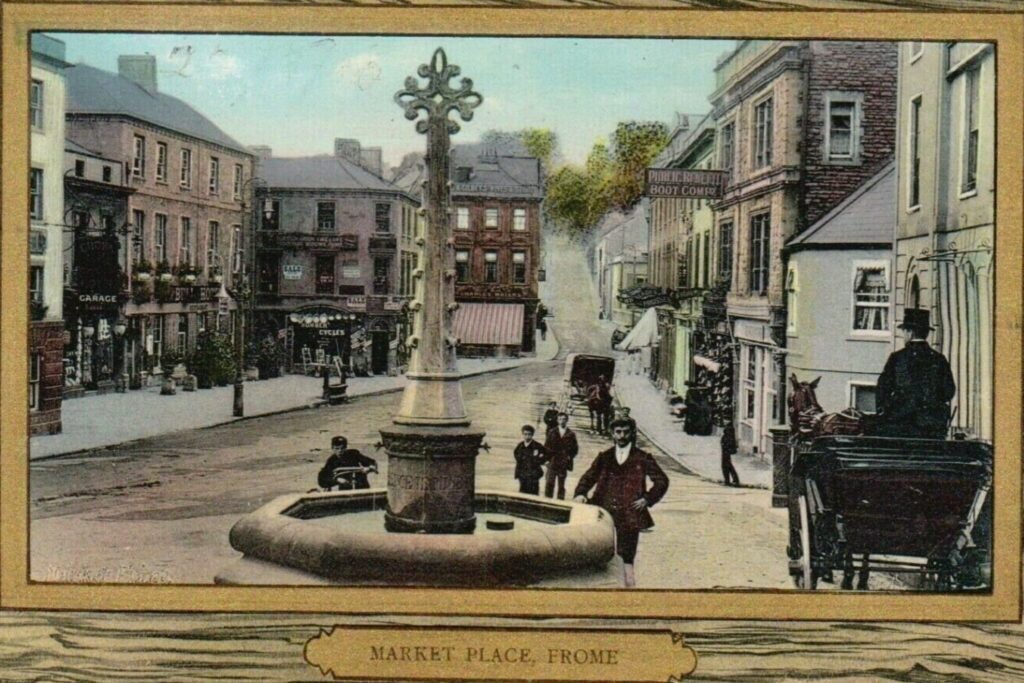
[(541, 143), (634, 146)]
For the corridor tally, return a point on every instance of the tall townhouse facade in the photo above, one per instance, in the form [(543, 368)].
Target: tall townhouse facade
[(496, 218), (191, 185), (46, 224), (799, 125), (332, 275), (685, 227), (945, 215)]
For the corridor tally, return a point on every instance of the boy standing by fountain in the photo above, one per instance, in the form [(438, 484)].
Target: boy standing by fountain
[(619, 478), (529, 455), (346, 467)]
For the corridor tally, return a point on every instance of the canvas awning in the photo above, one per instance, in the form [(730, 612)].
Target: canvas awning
[(643, 334), (489, 324)]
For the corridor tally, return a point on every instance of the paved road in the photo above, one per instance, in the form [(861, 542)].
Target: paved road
[(160, 509)]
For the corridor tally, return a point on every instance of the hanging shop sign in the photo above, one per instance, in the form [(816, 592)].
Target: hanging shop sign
[(304, 240), (292, 272), (684, 183), (188, 294)]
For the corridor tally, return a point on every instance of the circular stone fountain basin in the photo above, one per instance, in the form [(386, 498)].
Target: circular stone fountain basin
[(339, 537)]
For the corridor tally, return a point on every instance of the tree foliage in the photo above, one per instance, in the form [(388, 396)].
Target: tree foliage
[(541, 143), (611, 178)]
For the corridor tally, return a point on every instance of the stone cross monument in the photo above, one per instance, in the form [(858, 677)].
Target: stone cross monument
[(431, 448)]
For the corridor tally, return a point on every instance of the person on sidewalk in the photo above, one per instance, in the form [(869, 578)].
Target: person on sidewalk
[(530, 456), (543, 327), (729, 448), (345, 468), (619, 477), (562, 448)]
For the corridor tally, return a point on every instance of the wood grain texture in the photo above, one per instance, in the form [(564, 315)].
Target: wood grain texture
[(793, 5), (65, 647)]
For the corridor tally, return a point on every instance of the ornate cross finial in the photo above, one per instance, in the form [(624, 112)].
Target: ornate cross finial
[(438, 97)]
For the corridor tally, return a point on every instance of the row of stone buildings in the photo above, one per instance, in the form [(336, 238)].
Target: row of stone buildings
[(859, 181), (151, 225)]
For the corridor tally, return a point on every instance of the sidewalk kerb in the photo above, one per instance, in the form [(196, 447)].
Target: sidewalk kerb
[(315, 403)]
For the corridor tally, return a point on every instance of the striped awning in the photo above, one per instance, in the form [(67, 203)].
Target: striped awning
[(494, 324)]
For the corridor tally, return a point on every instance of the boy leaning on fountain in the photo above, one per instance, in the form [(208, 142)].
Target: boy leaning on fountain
[(346, 467)]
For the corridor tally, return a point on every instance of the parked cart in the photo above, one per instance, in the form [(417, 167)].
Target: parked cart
[(581, 372), (918, 506)]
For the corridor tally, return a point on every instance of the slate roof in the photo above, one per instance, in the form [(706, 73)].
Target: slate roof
[(94, 91), (866, 217), (507, 175), (72, 146), (321, 172)]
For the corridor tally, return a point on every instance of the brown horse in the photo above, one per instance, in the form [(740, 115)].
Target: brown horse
[(807, 421)]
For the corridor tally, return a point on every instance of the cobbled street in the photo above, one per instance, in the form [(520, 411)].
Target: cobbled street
[(159, 509)]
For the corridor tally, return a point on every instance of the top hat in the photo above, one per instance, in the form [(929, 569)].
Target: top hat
[(916, 319)]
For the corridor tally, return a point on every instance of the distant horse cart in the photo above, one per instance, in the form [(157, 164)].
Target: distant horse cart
[(581, 372), (860, 503)]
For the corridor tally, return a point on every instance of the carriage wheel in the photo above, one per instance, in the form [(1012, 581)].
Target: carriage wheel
[(806, 578)]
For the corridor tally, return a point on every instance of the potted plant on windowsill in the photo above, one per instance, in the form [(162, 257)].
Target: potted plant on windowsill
[(187, 273), (163, 271), (143, 271), (216, 277)]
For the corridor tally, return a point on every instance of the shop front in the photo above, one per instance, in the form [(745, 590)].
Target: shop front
[(759, 403)]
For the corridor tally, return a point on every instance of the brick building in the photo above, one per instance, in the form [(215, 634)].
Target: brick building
[(496, 218), (681, 246), (192, 184), (331, 267), (800, 124), (46, 224)]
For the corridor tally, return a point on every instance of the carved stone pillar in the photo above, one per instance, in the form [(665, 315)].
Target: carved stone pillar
[(431, 449)]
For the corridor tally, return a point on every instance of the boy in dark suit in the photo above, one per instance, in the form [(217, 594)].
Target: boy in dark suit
[(529, 455)]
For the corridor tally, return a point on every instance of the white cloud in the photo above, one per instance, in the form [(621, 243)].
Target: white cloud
[(362, 70), (222, 66)]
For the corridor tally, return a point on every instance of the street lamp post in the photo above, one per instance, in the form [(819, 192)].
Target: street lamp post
[(120, 326), (431, 450), (242, 291)]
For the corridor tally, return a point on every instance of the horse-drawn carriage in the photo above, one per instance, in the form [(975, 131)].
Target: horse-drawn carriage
[(860, 503), (583, 371)]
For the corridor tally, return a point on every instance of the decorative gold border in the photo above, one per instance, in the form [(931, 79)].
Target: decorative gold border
[(1007, 30)]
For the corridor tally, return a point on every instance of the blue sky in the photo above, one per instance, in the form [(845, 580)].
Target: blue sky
[(297, 93)]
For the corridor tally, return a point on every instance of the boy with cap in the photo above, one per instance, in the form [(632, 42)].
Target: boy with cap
[(346, 467)]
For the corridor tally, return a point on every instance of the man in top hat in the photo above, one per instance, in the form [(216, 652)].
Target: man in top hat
[(916, 386), (345, 468), (619, 478)]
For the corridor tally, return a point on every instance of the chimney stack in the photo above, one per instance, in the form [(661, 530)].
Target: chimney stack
[(347, 148), (371, 158), (262, 152), (139, 69)]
